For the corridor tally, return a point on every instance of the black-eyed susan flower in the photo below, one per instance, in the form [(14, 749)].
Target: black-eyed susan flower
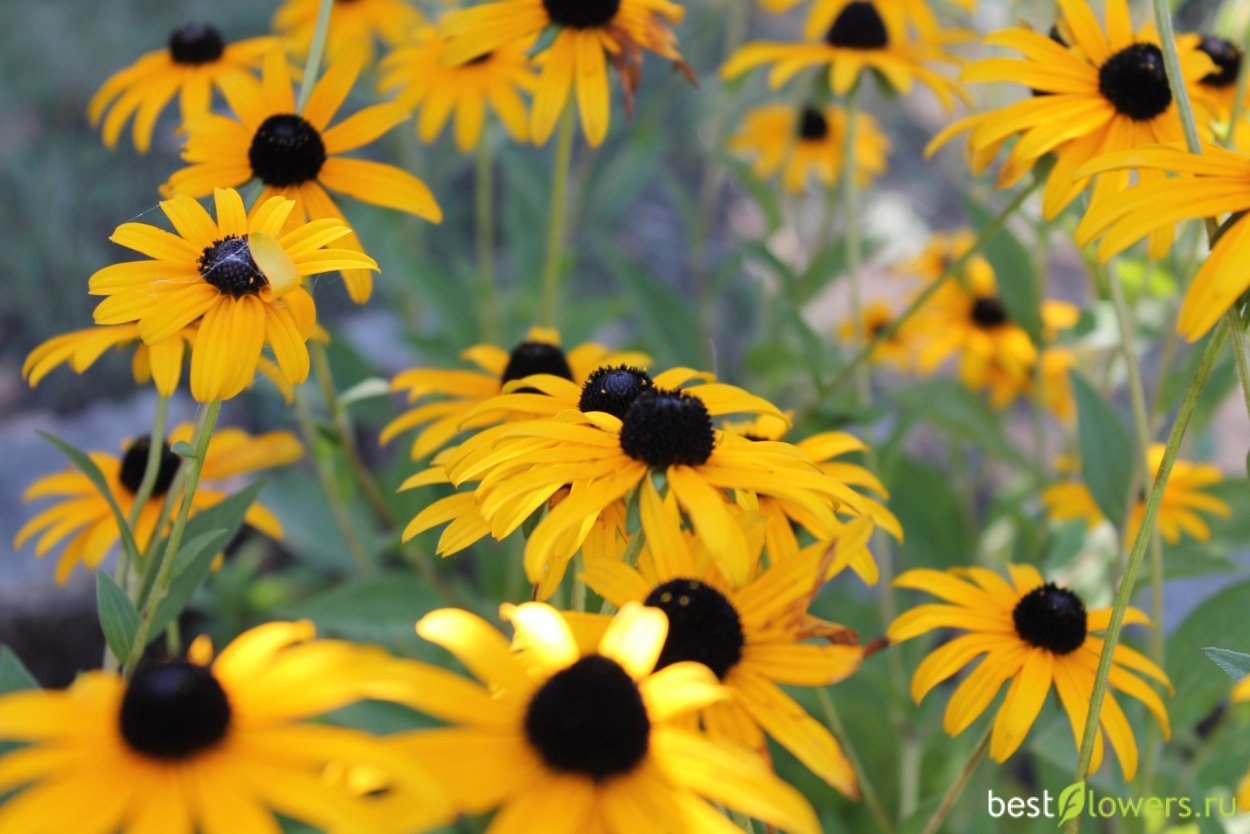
[(1180, 512), (460, 392), (420, 80), (753, 636), (1105, 92), (562, 741), (354, 24), (860, 38), (902, 13), (300, 155), (211, 745), (896, 349), (82, 519), (589, 34), (1218, 88), (237, 278), (196, 60), (1034, 634), (1054, 389), (1212, 184), (808, 143)]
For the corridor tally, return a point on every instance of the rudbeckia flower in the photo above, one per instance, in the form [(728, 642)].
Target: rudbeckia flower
[(897, 349), (462, 391), (1055, 365), (1218, 88), (1212, 184), (901, 13), (217, 746), (420, 79), (1105, 92), (1034, 634), (238, 279), (196, 60), (752, 635), (860, 38), (562, 741), (1179, 513), (83, 516), (808, 143), (299, 155), (588, 35), (354, 25)]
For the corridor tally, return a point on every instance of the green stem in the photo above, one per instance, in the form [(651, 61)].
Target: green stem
[(1237, 330), (315, 51), (1125, 591), (957, 787), (192, 466), (871, 799), (854, 243), (488, 300), (556, 220)]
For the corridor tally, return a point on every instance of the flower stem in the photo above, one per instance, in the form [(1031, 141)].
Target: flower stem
[(871, 799), (957, 787), (151, 469), (556, 219), (193, 466), (488, 301), (315, 51)]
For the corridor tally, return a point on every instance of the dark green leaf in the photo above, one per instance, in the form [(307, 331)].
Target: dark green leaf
[(183, 449), (118, 618), (1234, 663), (1106, 450), (384, 609), (87, 466), (938, 531), (666, 316), (1200, 686), (14, 676), (948, 404)]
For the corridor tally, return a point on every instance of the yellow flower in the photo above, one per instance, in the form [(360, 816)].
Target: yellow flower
[(1183, 500), (83, 516), (216, 746), (1241, 692), (897, 349), (901, 13), (1106, 92), (1055, 364), (750, 634), (1212, 184), (1034, 634), (300, 156), (196, 60), (1218, 88), (808, 142), (354, 24), (860, 38), (589, 34), (565, 742), (238, 278), (416, 72)]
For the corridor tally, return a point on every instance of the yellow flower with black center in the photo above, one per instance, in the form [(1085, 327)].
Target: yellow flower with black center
[(1034, 634), (808, 143), (588, 35), (82, 519), (752, 635), (461, 392), (1055, 365), (861, 38), (354, 24), (896, 349), (421, 80), (196, 60), (1218, 88), (210, 745), (237, 278), (1105, 92), (300, 155), (1179, 512), (564, 741), (901, 13), (1212, 184)]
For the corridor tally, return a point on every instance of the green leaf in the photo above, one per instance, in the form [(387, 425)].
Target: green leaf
[(1015, 273), (14, 676), (1106, 450), (948, 404), (1200, 686), (938, 531), (118, 618), (183, 449), (87, 466), (364, 390), (1234, 663), (666, 316), (1071, 802), (382, 609)]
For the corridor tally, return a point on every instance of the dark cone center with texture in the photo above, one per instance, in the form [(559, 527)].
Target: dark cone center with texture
[(988, 311), (196, 43), (286, 150), (1051, 618), (529, 358), (813, 126), (667, 428), (614, 389), (1227, 58), (174, 710), (1135, 83), (229, 267), (702, 625), (135, 461), (582, 14), (859, 26), (589, 719)]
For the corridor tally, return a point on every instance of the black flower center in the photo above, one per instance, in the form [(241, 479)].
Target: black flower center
[(667, 428), (859, 26), (196, 43), (1051, 618), (1227, 58), (988, 311), (582, 14), (813, 126), (589, 719), (173, 710), (614, 389), (1135, 83), (286, 150), (136, 460), (703, 626), (229, 267), (530, 358)]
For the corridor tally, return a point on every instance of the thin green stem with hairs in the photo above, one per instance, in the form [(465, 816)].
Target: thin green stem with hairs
[(957, 787), (316, 50), (556, 220)]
